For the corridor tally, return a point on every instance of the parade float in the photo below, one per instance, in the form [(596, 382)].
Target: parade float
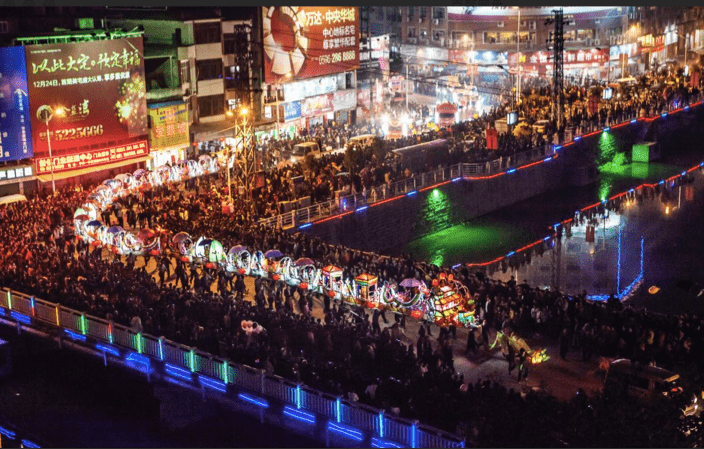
[(446, 302)]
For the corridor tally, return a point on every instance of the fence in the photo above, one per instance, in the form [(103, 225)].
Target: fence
[(217, 373)]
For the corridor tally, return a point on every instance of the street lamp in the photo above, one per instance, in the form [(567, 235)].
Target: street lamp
[(246, 162), (45, 113), (230, 114)]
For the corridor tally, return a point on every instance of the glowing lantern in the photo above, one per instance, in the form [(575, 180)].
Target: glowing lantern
[(241, 270), (435, 282), (304, 285), (210, 265), (276, 277), (372, 305), (154, 252), (95, 243), (416, 314), (184, 259), (442, 276), (450, 277), (331, 293)]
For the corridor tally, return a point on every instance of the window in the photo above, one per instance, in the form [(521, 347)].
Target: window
[(209, 69), (438, 35), (411, 11), (211, 105), (228, 47), (380, 13), (207, 33), (4, 28), (411, 32), (423, 34), (185, 71), (439, 13)]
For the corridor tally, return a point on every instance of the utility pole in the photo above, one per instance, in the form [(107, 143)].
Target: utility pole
[(557, 43)]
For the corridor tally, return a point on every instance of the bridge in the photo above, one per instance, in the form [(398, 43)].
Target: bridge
[(299, 408)]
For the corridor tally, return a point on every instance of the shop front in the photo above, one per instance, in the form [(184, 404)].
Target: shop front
[(17, 180), (318, 110), (169, 134), (344, 105)]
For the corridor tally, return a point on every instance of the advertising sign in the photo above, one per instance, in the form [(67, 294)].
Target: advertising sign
[(292, 110), (309, 88), (15, 130), (379, 54), (86, 159), (169, 126), (101, 89), (16, 173), (306, 41), (570, 57), (345, 99), (317, 105)]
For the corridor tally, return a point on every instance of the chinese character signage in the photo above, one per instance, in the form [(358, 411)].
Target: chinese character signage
[(307, 41), (313, 106), (15, 129), (169, 126), (90, 158), (309, 88), (16, 173), (345, 99), (292, 110), (99, 85), (379, 54), (570, 57)]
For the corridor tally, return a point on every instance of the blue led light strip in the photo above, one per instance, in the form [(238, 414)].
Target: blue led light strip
[(547, 159), (307, 225), (75, 336), (299, 415), (20, 317), (178, 372), (107, 349), (346, 431), (27, 443), (456, 179), (376, 442), (176, 382), (7, 433), (211, 383), (411, 193), (512, 170), (362, 208), (256, 401), (139, 359)]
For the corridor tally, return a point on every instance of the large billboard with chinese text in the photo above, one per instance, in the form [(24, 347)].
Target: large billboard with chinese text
[(100, 86), (15, 129), (306, 41), (92, 158), (169, 126)]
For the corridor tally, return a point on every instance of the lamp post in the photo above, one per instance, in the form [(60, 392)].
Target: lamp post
[(242, 113), (45, 113)]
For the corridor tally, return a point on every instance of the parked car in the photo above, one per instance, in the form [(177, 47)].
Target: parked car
[(301, 150)]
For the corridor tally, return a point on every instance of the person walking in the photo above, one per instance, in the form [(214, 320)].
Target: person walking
[(522, 364), (564, 342)]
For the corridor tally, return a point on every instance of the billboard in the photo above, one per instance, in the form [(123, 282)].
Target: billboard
[(92, 158), (169, 126), (312, 106), (307, 41), (379, 61), (292, 110), (15, 128), (99, 85)]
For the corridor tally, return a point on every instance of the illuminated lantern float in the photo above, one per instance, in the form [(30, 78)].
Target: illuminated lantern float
[(365, 289), (332, 278), (448, 305)]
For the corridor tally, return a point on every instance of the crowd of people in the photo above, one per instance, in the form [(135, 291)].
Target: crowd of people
[(346, 352)]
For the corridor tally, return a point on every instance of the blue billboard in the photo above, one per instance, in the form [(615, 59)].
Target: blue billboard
[(292, 110), (15, 129)]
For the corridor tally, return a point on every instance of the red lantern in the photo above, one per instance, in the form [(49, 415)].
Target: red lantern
[(78, 237), (154, 252), (442, 276), (331, 293), (450, 277), (416, 314), (210, 265), (276, 277), (184, 259), (95, 243), (115, 250), (304, 285), (371, 305), (241, 270), (435, 282)]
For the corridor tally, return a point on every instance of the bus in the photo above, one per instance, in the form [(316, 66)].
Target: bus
[(416, 157)]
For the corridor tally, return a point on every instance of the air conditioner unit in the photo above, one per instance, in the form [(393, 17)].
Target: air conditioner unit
[(436, 21), (500, 24)]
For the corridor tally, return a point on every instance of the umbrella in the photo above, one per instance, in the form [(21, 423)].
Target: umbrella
[(180, 237), (410, 282), (273, 253), (124, 177), (140, 172), (94, 223), (237, 249), (304, 261), (82, 217), (102, 188), (115, 229)]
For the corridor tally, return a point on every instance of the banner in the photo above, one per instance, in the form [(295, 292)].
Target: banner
[(307, 41), (92, 158), (99, 85), (292, 110), (345, 99), (169, 126), (15, 129), (313, 106)]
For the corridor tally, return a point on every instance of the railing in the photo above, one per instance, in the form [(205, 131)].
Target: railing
[(206, 371), (464, 170)]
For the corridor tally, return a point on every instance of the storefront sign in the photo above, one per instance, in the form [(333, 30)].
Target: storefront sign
[(169, 126), (307, 41), (309, 88), (292, 110), (100, 86), (313, 106), (379, 54), (92, 158), (15, 130), (627, 49), (345, 99), (17, 173), (570, 57)]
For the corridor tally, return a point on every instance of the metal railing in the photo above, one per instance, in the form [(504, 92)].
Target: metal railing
[(208, 370)]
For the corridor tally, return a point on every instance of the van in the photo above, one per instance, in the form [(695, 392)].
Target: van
[(646, 383), (362, 141), (301, 150)]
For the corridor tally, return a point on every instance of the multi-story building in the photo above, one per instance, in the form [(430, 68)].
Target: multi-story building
[(667, 33)]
